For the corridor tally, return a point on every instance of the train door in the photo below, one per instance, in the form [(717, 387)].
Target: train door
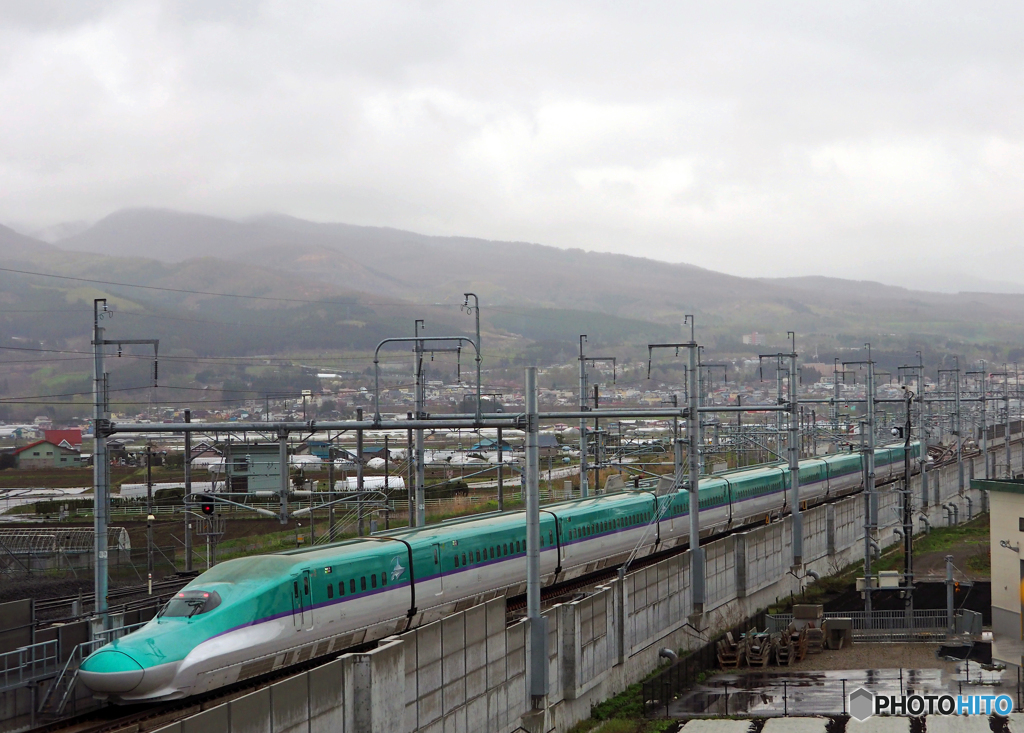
[(439, 566), (298, 605), (302, 600)]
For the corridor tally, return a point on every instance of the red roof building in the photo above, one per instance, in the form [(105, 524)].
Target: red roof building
[(73, 437)]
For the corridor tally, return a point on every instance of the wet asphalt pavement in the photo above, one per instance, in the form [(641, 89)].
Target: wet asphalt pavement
[(776, 692)]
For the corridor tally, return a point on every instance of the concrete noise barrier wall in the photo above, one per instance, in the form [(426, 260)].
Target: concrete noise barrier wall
[(468, 671)]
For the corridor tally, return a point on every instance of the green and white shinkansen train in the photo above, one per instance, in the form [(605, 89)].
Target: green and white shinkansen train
[(249, 616)]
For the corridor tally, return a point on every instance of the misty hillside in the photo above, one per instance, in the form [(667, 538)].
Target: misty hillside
[(531, 278)]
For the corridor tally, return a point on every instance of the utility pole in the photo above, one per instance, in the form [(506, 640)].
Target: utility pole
[(359, 474), (917, 372), (794, 456), (475, 309), (538, 651), (959, 432), (101, 462), (908, 512), (149, 516), (870, 498), (330, 489), (982, 398), (1006, 437), (421, 506), (410, 488), (501, 483), (583, 423), (922, 434), (282, 488), (835, 397), (597, 444), (984, 419), (188, 494), (694, 446), (872, 429), (584, 360)]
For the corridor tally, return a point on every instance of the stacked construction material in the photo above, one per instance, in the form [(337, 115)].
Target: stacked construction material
[(784, 649), (729, 653), (758, 648), (815, 639)]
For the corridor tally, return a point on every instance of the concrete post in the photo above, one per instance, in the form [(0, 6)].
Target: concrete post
[(378, 688)]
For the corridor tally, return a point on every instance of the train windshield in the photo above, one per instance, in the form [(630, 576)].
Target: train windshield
[(189, 603)]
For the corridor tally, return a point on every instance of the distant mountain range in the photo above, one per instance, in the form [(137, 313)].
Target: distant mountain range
[(371, 275)]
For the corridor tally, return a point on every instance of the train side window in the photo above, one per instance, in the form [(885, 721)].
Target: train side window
[(478, 555), (504, 549), (362, 583), (373, 580), (305, 583), (296, 584), (330, 591), (1021, 524), (464, 558), (551, 537), (352, 585), (456, 560), (383, 579), (341, 588), (435, 555), (492, 552)]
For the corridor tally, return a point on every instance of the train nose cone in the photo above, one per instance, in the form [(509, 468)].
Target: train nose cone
[(111, 671)]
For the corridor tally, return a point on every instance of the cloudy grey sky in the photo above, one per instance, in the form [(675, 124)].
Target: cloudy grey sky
[(841, 138)]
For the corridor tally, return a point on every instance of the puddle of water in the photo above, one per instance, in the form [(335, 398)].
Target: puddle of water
[(771, 693)]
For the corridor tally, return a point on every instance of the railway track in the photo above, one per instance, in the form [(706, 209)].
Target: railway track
[(162, 587)]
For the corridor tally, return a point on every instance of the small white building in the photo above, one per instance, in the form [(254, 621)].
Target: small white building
[(1006, 536)]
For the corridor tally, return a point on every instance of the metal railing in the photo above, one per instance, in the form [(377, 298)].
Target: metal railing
[(62, 689), (28, 663), (926, 624)]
